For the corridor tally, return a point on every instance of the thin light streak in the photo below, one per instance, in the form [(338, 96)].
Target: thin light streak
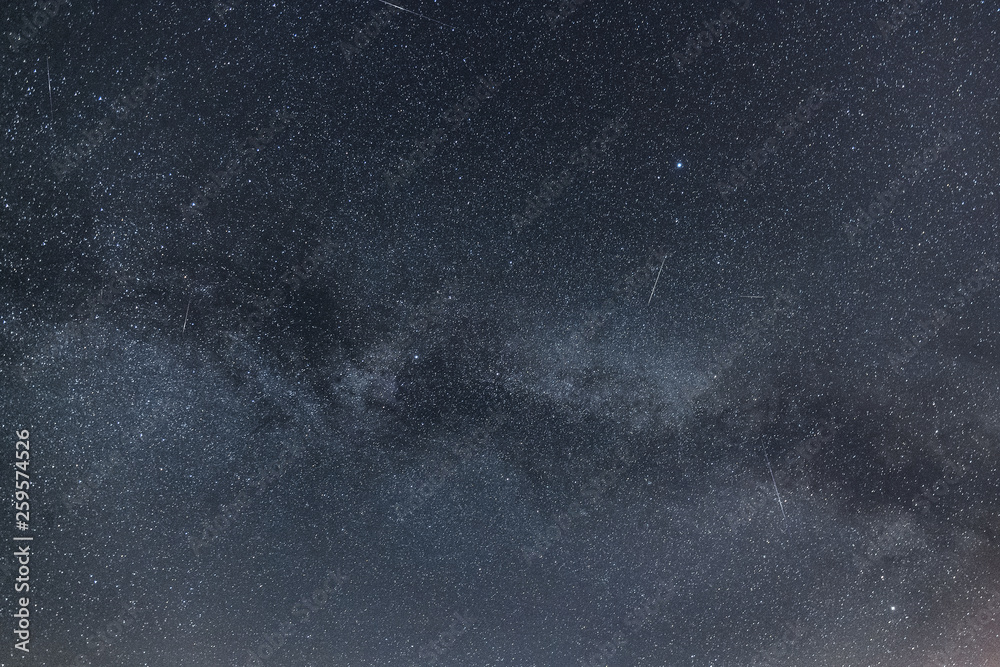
[(188, 310), (417, 14), (773, 481), (48, 75), (657, 279)]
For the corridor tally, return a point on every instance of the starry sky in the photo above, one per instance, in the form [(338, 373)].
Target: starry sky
[(531, 334)]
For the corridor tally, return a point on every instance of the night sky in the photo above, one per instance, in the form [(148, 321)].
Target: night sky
[(557, 333)]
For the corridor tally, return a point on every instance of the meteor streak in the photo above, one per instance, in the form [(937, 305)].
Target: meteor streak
[(785, 516), (657, 279), (184, 326), (48, 75), (416, 14)]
